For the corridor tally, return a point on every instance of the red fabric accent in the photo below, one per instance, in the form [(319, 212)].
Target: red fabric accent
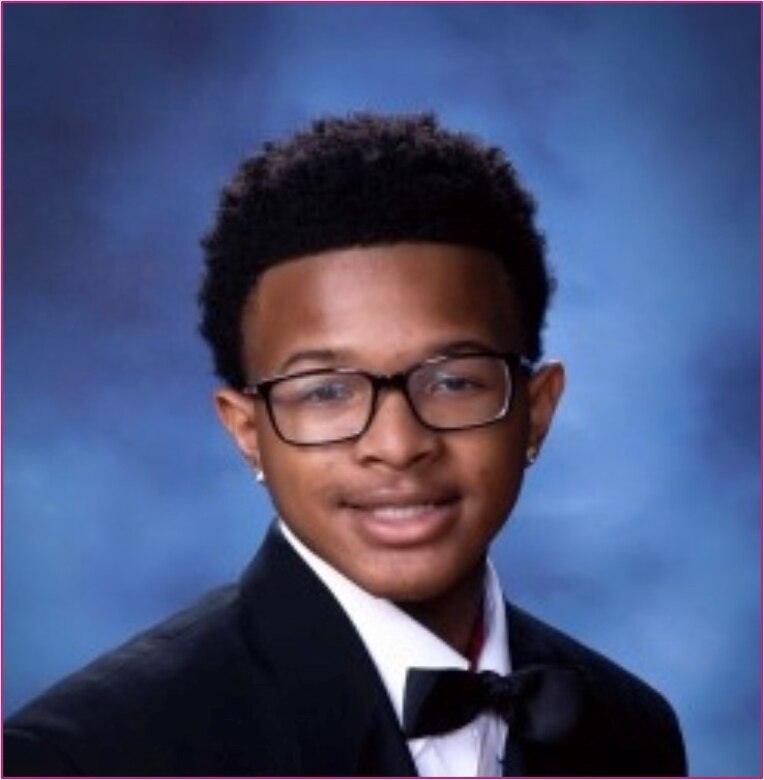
[(477, 640)]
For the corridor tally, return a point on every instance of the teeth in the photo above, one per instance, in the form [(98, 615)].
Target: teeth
[(401, 512)]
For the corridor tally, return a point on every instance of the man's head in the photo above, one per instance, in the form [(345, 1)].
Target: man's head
[(362, 181), (379, 245)]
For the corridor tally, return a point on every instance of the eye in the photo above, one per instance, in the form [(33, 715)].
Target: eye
[(445, 383), (327, 391)]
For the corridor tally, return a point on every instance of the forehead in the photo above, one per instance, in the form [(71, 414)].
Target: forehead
[(381, 304)]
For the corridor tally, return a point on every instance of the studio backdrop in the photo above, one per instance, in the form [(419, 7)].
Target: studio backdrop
[(637, 127)]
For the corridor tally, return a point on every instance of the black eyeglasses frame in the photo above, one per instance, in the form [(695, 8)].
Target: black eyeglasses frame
[(263, 388)]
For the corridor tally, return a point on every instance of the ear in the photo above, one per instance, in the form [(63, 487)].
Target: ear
[(544, 391), (238, 414)]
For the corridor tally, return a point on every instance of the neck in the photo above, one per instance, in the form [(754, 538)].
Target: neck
[(452, 615)]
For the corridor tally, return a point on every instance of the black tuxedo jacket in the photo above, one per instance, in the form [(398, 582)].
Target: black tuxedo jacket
[(269, 678)]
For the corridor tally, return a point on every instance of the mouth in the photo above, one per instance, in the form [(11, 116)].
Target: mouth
[(402, 520)]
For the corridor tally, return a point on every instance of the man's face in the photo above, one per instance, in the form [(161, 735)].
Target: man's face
[(405, 512)]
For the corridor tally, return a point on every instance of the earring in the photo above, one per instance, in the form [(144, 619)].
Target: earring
[(531, 454), (259, 475)]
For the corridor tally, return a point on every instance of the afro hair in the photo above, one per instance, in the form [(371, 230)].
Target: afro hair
[(362, 180)]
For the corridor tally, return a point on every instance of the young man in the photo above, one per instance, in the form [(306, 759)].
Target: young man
[(374, 297)]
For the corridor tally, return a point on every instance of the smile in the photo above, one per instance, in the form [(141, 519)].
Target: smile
[(403, 522), (406, 512)]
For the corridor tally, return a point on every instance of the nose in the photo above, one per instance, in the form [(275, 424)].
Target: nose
[(395, 437)]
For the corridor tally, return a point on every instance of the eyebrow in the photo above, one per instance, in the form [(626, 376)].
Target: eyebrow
[(312, 355), (334, 357)]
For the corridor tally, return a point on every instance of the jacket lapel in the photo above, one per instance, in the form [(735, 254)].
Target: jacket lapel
[(531, 642), (339, 709)]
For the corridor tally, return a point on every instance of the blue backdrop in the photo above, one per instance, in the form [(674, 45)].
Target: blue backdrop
[(637, 126)]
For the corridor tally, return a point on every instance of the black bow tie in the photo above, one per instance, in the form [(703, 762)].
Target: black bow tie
[(539, 703)]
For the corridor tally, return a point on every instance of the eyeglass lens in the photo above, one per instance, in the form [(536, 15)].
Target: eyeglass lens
[(327, 406)]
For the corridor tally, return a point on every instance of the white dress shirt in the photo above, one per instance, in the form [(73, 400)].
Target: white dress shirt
[(397, 642)]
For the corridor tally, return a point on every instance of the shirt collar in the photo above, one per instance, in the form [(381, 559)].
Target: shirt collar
[(397, 642)]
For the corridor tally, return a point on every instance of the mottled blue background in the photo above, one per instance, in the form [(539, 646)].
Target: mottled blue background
[(638, 129)]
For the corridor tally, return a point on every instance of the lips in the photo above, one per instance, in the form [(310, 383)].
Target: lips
[(402, 518), (401, 512)]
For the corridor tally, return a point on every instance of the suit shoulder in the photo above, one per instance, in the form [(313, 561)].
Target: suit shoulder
[(157, 654), (172, 689), (625, 711), (26, 755)]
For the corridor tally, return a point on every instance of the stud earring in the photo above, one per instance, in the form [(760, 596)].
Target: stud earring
[(259, 474), (531, 454)]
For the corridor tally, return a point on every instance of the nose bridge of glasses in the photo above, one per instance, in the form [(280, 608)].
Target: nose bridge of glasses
[(398, 381)]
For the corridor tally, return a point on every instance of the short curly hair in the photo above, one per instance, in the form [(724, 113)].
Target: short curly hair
[(360, 180)]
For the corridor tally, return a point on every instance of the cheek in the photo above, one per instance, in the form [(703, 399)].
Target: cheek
[(299, 480), (495, 469)]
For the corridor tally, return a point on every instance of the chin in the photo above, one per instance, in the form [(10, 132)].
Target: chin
[(406, 594), (404, 587)]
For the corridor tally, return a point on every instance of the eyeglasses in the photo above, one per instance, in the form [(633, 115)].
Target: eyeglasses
[(446, 393)]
